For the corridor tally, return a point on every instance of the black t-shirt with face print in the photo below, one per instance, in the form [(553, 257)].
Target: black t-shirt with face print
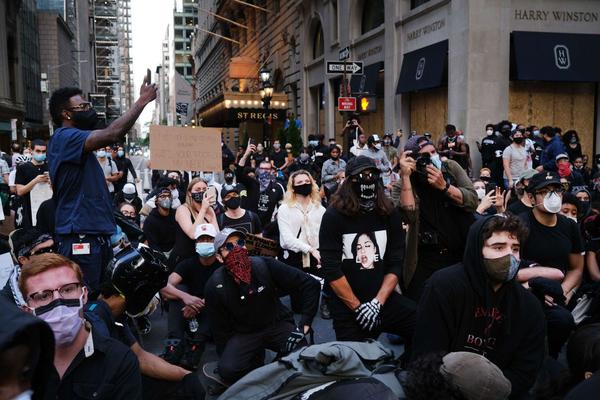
[(363, 248)]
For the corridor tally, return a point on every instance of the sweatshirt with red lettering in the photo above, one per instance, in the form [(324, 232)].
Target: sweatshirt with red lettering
[(459, 311)]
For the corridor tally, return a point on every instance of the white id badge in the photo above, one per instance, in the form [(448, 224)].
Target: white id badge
[(80, 249)]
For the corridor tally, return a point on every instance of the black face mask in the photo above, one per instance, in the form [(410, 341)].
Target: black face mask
[(232, 203), (85, 120), (518, 140), (366, 189), (229, 179), (303, 190), (198, 196)]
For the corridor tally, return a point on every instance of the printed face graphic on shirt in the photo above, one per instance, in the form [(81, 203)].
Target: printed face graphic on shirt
[(366, 248)]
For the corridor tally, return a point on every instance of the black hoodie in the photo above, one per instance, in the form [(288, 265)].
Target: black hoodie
[(459, 311), (15, 325)]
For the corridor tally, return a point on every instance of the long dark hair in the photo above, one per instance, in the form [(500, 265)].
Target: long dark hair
[(346, 201)]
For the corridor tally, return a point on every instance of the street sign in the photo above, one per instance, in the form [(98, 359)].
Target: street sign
[(352, 67), (345, 53), (346, 103)]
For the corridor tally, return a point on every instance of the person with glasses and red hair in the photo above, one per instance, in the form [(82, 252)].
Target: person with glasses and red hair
[(87, 364)]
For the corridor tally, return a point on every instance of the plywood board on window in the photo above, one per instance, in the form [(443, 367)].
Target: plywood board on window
[(429, 111), (567, 105)]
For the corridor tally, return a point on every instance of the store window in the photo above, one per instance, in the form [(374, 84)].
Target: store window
[(373, 15), (318, 42), (417, 3)]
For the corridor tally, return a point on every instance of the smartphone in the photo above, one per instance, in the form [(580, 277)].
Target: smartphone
[(252, 141), (211, 193), (489, 187), (148, 76)]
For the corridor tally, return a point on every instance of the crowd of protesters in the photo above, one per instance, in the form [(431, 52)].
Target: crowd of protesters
[(490, 280)]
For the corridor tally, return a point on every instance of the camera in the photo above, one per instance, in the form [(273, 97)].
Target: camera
[(422, 161)]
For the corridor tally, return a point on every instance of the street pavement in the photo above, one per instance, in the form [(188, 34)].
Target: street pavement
[(323, 332)]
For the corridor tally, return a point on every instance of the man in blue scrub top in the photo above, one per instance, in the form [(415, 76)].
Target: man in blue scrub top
[(84, 213)]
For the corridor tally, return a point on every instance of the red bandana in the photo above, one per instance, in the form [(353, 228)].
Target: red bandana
[(239, 265)]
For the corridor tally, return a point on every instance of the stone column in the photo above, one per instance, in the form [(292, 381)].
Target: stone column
[(478, 67)]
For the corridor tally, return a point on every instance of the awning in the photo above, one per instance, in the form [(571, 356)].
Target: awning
[(543, 56), (367, 83), (424, 68)]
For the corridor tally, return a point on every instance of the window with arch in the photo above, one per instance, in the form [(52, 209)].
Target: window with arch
[(373, 15), (318, 42)]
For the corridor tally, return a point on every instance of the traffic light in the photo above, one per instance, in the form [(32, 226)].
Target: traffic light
[(367, 103)]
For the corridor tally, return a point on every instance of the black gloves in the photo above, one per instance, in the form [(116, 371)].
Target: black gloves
[(367, 315), (293, 341)]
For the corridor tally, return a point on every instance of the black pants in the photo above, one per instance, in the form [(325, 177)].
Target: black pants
[(295, 260), (177, 325), (157, 389), (560, 324), (245, 352), (428, 262), (398, 316), (93, 264)]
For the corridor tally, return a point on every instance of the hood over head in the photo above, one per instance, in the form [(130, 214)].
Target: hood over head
[(20, 328)]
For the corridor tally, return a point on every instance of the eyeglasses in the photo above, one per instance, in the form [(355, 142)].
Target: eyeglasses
[(67, 291), (230, 246), (81, 107), (42, 251)]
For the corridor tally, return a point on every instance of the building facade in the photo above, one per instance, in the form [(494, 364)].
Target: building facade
[(426, 63)]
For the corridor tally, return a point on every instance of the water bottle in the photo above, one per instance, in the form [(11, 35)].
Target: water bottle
[(193, 325)]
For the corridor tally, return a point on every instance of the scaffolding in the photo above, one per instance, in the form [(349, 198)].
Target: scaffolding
[(112, 33)]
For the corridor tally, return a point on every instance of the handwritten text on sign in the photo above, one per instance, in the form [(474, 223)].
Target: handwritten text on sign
[(185, 149)]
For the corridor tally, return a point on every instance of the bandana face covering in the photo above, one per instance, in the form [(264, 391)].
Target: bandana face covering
[(239, 265)]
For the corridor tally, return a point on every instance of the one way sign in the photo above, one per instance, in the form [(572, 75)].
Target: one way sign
[(352, 67)]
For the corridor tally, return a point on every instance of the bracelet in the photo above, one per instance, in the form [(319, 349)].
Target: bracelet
[(445, 191)]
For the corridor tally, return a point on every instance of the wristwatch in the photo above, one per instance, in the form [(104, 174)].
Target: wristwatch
[(446, 188)]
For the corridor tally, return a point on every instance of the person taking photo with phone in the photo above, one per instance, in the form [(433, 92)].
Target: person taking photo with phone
[(437, 200)]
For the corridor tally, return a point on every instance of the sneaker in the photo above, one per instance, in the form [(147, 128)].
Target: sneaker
[(211, 371), (143, 324), (325, 313), (173, 351), (192, 354)]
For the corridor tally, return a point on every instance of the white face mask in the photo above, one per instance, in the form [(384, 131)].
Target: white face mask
[(489, 132), (552, 203), (435, 160), (378, 146), (480, 193)]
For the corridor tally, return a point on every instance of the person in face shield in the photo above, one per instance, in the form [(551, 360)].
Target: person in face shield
[(129, 195), (53, 289), (479, 306), (555, 246), (134, 277), (361, 245)]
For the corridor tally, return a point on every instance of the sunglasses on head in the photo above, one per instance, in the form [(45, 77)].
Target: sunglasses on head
[(42, 251), (230, 246)]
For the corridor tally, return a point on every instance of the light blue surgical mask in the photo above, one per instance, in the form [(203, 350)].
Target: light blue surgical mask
[(205, 249), (313, 143), (120, 153), (101, 153), (435, 160), (39, 157)]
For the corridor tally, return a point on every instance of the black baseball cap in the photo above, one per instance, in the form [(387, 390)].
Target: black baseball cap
[(543, 179), (228, 189), (358, 164)]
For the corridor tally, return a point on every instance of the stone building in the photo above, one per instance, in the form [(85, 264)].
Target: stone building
[(426, 63)]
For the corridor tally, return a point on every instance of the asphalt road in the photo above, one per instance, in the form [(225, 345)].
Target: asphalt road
[(323, 332)]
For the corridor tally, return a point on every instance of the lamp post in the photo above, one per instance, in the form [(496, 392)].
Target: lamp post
[(266, 94)]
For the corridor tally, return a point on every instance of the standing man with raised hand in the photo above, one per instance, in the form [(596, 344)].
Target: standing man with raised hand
[(84, 216)]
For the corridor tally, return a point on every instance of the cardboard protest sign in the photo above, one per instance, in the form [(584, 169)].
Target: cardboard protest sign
[(40, 193), (185, 149)]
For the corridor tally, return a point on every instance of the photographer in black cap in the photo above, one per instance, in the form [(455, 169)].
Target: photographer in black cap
[(437, 200)]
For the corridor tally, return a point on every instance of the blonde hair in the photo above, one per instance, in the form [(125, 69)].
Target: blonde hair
[(290, 196), (189, 202)]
